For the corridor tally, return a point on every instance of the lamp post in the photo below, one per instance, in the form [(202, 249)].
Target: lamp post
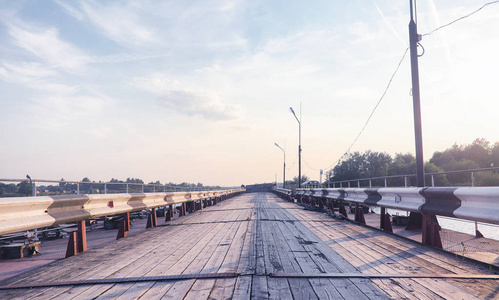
[(299, 144), (284, 172)]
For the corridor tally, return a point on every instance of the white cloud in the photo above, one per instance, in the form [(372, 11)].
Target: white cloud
[(61, 111), (35, 76), (157, 83), (206, 104), (119, 22), (45, 44)]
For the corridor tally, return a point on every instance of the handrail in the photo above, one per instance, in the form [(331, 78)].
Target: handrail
[(414, 175), (126, 184), (28, 213)]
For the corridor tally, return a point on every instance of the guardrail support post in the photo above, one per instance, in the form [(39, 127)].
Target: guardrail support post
[(105, 188), (34, 189), (415, 221), (82, 236), (431, 231), (78, 188), (182, 210), (385, 222), (478, 234), (321, 203), (169, 213), (343, 211), (359, 214), (124, 226), (152, 220), (72, 247)]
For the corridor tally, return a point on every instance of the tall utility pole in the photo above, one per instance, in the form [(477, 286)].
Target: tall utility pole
[(299, 144), (284, 169), (414, 39)]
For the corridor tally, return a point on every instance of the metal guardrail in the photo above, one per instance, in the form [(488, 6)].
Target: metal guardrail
[(28, 213), (159, 187), (478, 204), (470, 203)]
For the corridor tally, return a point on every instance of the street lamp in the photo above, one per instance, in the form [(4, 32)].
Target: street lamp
[(284, 172), (299, 144)]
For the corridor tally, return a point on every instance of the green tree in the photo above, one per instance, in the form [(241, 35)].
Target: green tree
[(25, 188), (486, 178), (294, 183), (362, 165), (479, 152), (494, 155), (440, 180)]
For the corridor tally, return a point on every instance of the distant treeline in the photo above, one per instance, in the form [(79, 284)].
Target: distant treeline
[(91, 187), (479, 154)]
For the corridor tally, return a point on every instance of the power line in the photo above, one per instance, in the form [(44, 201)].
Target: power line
[(461, 18), (309, 165), (374, 109), (290, 167)]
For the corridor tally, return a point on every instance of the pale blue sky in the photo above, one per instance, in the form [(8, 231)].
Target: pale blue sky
[(199, 91)]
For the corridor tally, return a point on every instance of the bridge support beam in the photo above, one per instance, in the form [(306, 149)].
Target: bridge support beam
[(124, 226)]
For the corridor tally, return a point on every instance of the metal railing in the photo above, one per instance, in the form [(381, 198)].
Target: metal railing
[(126, 185), (476, 204), (357, 182)]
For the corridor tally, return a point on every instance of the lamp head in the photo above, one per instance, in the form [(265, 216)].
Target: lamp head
[(276, 144), (291, 109)]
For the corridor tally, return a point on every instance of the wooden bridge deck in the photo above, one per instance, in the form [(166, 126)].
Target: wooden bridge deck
[(263, 248)]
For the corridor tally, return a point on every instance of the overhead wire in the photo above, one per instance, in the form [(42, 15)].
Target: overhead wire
[(396, 70), (391, 79), (461, 18), (315, 169), (289, 168), (374, 109)]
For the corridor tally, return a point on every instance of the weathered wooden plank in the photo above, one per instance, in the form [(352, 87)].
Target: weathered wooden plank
[(157, 290), (259, 288), (242, 289), (386, 263), (223, 289)]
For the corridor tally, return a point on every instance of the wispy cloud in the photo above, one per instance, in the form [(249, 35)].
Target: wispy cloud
[(118, 21), (389, 24), (206, 104), (60, 111), (45, 44), (35, 76)]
